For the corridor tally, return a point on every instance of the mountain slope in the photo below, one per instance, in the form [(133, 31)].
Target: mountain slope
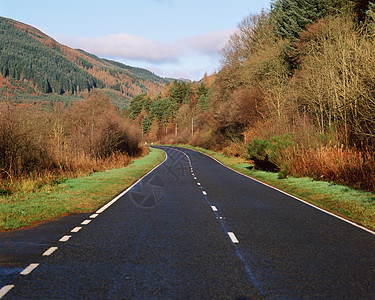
[(33, 62)]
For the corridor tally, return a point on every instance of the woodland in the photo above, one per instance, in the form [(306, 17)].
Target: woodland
[(35, 65), (295, 94), (39, 147)]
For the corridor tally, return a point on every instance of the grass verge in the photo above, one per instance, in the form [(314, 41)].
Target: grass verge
[(78, 195), (355, 205)]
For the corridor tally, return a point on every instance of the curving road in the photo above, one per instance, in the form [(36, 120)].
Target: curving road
[(193, 229)]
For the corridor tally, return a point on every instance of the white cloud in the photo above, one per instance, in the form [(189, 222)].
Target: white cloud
[(190, 55), (125, 45), (128, 46), (209, 43)]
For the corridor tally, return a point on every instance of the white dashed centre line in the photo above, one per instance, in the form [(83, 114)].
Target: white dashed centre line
[(214, 208), (93, 216), (85, 222), (233, 238), (76, 229), (5, 290), (29, 269), (65, 238), (198, 183), (50, 251), (204, 193)]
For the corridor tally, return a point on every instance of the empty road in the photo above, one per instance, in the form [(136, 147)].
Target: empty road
[(193, 229)]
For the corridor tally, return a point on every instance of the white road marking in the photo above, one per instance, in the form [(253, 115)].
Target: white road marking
[(238, 253), (50, 251), (233, 238), (109, 204), (204, 193), (195, 178), (85, 222), (294, 197), (65, 238), (93, 216), (5, 290), (214, 208), (76, 229), (198, 183), (29, 269)]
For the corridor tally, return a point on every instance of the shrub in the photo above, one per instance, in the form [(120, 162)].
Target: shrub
[(274, 154), (38, 147), (346, 166)]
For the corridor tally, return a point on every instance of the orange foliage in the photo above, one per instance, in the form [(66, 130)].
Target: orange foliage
[(341, 165)]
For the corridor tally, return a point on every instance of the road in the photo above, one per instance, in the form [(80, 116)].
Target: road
[(193, 229)]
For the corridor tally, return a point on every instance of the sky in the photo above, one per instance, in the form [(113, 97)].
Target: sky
[(172, 38)]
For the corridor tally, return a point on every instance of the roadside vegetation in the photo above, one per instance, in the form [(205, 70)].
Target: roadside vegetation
[(40, 147), (295, 94), (85, 194)]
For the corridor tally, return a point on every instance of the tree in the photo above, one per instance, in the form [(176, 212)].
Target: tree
[(153, 131), (291, 16), (178, 91), (136, 106), (146, 124)]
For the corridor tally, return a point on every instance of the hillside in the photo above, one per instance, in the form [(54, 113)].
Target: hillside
[(32, 63), (295, 93)]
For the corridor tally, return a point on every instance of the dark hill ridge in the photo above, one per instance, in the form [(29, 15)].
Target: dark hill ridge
[(39, 64)]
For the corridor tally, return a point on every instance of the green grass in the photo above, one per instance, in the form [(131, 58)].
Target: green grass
[(78, 195), (355, 205)]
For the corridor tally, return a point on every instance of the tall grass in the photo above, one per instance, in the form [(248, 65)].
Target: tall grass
[(73, 195), (346, 166)]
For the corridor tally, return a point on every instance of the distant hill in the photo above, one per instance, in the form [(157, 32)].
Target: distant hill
[(32, 63)]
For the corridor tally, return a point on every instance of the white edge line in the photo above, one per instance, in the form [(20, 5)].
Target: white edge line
[(294, 197), (103, 208), (5, 289), (50, 251), (233, 238), (29, 269), (93, 216)]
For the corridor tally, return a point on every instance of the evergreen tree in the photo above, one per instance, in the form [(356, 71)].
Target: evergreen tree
[(146, 124), (23, 57), (292, 16), (202, 90), (178, 91)]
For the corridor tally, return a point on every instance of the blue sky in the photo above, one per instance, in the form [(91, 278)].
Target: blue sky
[(173, 38)]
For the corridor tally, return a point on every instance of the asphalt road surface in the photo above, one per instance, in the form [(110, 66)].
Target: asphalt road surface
[(193, 229)]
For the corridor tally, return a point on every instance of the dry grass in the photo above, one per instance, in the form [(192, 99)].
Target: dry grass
[(340, 165), (32, 205), (39, 148), (80, 166)]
